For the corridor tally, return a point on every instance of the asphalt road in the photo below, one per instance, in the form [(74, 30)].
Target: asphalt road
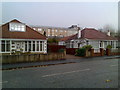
[(90, 73)]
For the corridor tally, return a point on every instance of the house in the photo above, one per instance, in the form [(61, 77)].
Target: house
[(18, 36), (55, 31), (89, 36)]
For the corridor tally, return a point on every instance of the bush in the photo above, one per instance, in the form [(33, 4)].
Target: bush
[(88, 47), (52, 40), (15, 52), (80, 52), (61, 50), (109, 47)]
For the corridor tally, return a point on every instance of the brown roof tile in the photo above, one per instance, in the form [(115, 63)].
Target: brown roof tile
[(90, 33), (28, 34), (69, 38)]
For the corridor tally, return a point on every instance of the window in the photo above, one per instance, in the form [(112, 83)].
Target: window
[(87, 42), (105, 44), (17, 27), (7, 46), (116, 44), (112, 44), (48, 30), (3, 46), (53, 32), (41, 45), (33, 45), (39, 29), (101, 44), (37, 45), (72, 44), (29, 45), (25, 45)]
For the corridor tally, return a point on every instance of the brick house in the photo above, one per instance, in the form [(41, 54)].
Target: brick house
[(89, 36), (19, 36)]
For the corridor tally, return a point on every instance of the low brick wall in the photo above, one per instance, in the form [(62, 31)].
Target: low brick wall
[(32, 57), (94, 54), (97, 54), (109, 52)]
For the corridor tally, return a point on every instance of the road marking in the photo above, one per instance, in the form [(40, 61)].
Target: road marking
[(3, 82), (65, 72), (113, 65)]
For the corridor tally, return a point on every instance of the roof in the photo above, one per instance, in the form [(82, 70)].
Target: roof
[(69, 38), (90, 33), (28, 34)]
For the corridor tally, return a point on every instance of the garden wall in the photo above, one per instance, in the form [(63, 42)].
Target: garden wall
[(110, 52), (32, 57)]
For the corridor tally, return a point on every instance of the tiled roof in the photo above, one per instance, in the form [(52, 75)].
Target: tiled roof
[(69, 38), (28, 34), (90, 33)]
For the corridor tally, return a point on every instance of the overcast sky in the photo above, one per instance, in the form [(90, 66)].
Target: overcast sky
[(62, 14)]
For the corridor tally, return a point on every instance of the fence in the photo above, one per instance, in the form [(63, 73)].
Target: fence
[(71, 51), (32, 57), (55, 48)]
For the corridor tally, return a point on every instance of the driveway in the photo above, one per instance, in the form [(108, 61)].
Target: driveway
[(68, 56)]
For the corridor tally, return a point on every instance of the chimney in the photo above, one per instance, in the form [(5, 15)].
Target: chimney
[(108, 33), (79, 32)]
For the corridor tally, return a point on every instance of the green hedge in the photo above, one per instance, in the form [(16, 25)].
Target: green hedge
[(80, 52)]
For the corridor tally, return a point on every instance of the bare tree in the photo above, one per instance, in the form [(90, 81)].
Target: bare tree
[(111, 29)]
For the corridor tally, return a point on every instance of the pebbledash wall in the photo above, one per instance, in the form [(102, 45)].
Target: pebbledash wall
[(8, 59)]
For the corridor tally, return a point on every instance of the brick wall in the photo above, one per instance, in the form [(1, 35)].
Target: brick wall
[(31, 57), (93, 54), (109, 52)]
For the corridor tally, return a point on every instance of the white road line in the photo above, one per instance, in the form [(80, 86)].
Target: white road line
[(4, 82), (65, 72), (113, 65)]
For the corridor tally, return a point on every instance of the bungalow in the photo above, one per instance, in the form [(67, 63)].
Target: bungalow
[(89, 36), (18, 36)]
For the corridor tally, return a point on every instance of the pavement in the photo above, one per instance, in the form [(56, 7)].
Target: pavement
[(69, 59)]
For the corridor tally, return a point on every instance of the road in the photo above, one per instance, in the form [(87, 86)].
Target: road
[(89, 73)]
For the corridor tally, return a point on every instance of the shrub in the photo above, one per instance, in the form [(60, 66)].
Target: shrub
[(61, 50), (109, 47), (80, 52), (15, 52), (88, 47), (52, 40)]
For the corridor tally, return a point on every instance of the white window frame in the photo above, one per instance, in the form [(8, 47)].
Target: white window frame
[(17, 25)]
